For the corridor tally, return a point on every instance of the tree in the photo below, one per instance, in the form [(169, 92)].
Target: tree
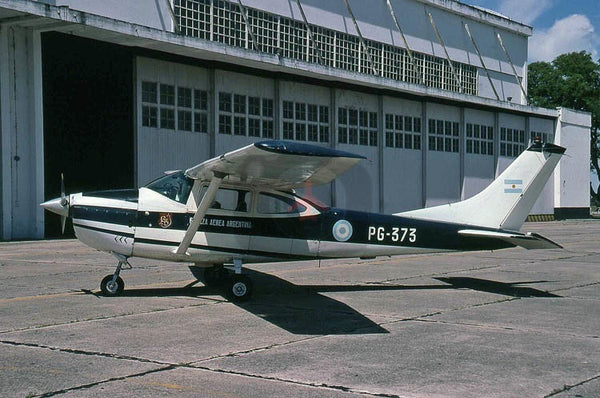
[(572, 81)]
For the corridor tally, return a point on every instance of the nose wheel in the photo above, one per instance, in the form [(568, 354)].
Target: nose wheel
[(113, 285)]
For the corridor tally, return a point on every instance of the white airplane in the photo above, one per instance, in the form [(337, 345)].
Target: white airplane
[(241, 207)]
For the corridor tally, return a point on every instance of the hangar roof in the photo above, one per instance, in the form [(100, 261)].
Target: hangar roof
[(44, 17)]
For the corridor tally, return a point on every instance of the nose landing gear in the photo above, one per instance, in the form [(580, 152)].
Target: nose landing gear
[(113, 285)]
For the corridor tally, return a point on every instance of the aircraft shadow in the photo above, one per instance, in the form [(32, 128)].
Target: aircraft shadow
[(507, 289), (302, 309)]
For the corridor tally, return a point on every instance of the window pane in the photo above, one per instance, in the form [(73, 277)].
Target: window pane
[(167, 94), (149, 92)]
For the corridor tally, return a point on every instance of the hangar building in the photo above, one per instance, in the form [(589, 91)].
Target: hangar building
[(112, 93)]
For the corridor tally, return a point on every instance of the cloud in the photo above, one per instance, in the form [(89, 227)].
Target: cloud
[(524, 11), (573, 33)]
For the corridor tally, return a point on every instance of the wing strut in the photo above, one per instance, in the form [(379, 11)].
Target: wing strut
[(206, 201)]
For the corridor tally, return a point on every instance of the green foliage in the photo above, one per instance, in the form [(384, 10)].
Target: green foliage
[(572, 81)]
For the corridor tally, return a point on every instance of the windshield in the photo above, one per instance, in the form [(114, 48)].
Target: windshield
[(175, 186)]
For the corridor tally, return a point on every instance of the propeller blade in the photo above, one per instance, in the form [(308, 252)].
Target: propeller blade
[(63, 198), (63, 222)]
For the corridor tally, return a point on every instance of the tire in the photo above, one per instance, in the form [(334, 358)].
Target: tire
[(214, 276), (110, 289), (239, 288)]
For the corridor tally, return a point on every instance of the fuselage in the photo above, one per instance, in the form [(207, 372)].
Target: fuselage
[(271, 226)]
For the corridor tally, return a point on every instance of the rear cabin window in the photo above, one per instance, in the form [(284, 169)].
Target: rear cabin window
[(269, 203), (230, 199)]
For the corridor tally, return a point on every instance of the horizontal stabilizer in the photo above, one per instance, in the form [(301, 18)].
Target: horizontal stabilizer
[(528, 241)]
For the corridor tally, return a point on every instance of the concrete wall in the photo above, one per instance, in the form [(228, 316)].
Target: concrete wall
[(571, 196), (151, 13)]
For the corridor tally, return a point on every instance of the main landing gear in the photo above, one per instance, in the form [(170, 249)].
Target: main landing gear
[(113, 285), (238, 287)]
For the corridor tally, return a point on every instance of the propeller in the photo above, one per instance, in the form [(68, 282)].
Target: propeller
[(60, 205), (64, 202)]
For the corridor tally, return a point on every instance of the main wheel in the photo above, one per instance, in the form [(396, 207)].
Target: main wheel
[(214, 276), (239, 288), (110, 288)]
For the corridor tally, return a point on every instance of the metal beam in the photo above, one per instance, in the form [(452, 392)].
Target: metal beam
[(512, 65), (439, 36), (205, 203), (487, 72), (173, 17), (361, 38), (408, 50), (310, 33), (248, 27)]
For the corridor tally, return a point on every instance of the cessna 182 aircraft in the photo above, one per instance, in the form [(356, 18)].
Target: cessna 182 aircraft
[(242, 207)]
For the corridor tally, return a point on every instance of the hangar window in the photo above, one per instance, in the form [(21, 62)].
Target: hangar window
[(149, 116), (402, 131), (479, 139), (305, 122), (167, 118), (222, 21), (200, 111), (245, 116), (149, 92), (512, 142), (545, 137), (357, 127), (167, 94), (443, 136)]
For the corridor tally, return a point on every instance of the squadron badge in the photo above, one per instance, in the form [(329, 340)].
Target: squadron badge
[(165, 220)]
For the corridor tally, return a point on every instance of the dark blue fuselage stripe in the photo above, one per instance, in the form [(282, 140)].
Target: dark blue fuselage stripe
[(104, 230), (429, 234), (225, 249)]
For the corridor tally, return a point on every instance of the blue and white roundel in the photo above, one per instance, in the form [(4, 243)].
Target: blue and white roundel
[(342, 230)]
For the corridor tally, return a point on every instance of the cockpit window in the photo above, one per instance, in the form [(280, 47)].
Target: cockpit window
[(175, 186), (269, 203)]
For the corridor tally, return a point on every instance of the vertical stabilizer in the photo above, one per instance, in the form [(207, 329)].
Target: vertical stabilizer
[(507, 201)]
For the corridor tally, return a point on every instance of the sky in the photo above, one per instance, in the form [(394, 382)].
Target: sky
[(559, 26)]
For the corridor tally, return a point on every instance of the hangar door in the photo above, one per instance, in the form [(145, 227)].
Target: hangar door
[(88, 117)]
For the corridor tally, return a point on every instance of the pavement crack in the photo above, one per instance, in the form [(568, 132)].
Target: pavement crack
[(568, 387), (97, 383)]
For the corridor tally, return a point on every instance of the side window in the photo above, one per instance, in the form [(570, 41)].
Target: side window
[(269, 203), (230, 199)]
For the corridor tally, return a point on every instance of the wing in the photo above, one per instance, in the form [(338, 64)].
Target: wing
[(528, 241), (277, 164)]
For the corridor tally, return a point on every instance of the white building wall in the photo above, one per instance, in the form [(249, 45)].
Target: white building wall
[(545, 203), (22, 145), (314, 95), (478, 168), (159, 149), (151, 13), (359, 188), (402, 168), (443, 177), (572, 185)]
